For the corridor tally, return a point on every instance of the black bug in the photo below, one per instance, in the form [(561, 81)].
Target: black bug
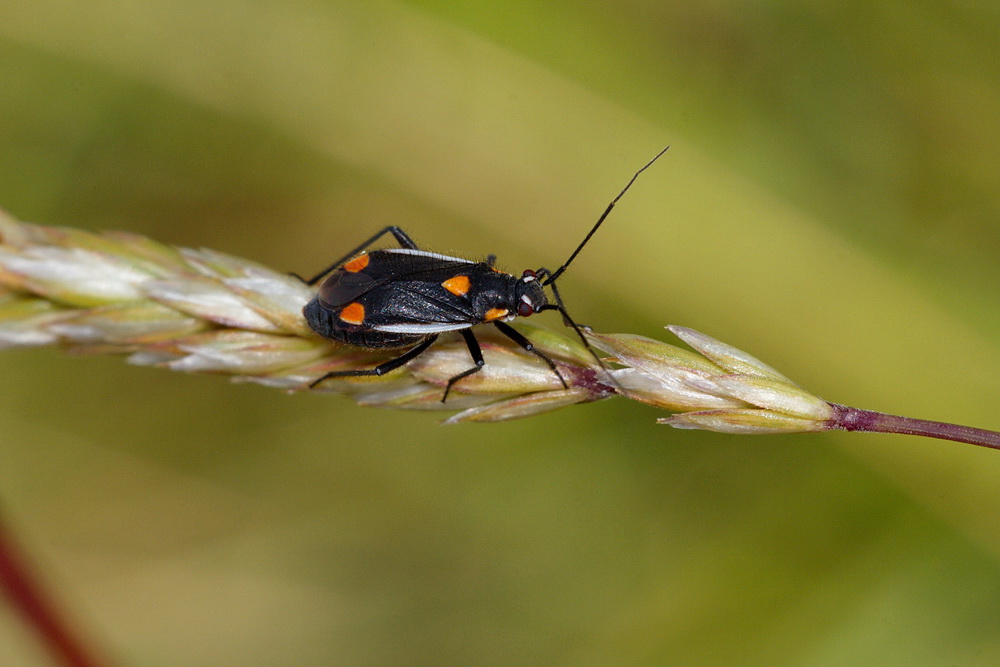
[(405, 297)]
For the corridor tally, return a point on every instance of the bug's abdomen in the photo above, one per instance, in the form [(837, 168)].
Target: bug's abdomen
[(330, 324)]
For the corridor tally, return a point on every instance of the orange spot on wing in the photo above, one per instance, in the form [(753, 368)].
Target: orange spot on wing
[(459, 285), (495, 314), (353, 313), (356, 264)]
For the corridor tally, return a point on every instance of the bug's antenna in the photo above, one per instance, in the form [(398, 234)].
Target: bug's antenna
[(558, 272)]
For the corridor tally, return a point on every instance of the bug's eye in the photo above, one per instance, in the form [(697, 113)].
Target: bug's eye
[(525, 309), (528, 273)]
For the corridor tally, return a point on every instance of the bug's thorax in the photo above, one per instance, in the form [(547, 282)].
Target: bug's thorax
[(499, 296)]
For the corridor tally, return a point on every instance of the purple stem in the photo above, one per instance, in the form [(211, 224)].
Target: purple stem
[(26, 595), (856, 419)]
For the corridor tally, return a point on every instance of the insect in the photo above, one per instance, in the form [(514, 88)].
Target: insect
[(405, 297)]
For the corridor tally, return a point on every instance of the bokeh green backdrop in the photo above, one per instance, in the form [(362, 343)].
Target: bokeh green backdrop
[(830, 203)]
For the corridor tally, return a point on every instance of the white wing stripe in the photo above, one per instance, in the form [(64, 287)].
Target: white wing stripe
[(419, 328), (424, 253)]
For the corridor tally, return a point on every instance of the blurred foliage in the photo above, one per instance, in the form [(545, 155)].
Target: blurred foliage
[(829, 204)]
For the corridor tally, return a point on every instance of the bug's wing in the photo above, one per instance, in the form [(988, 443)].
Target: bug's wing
[(418, 307), (418, 265), (344, 287), (385, 270)]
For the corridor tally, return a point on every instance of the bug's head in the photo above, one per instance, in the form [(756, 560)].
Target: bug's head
[(530, 295)]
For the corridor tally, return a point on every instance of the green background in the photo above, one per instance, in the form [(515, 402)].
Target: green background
[(830, 204)]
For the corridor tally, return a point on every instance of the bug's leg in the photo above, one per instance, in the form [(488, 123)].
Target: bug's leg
[(491, 260), (543, 274), (381, 369), (477, 356), (575, 327), (518, 337), (401, 237), (567, 320)]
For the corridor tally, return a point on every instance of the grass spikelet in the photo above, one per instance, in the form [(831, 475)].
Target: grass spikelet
[(205, 311)]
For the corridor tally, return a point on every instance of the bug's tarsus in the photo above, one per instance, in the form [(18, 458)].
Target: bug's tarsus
[(382, 368), (520, 339), (567, 320), (401, 237), (579, 332), (552, 278)]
